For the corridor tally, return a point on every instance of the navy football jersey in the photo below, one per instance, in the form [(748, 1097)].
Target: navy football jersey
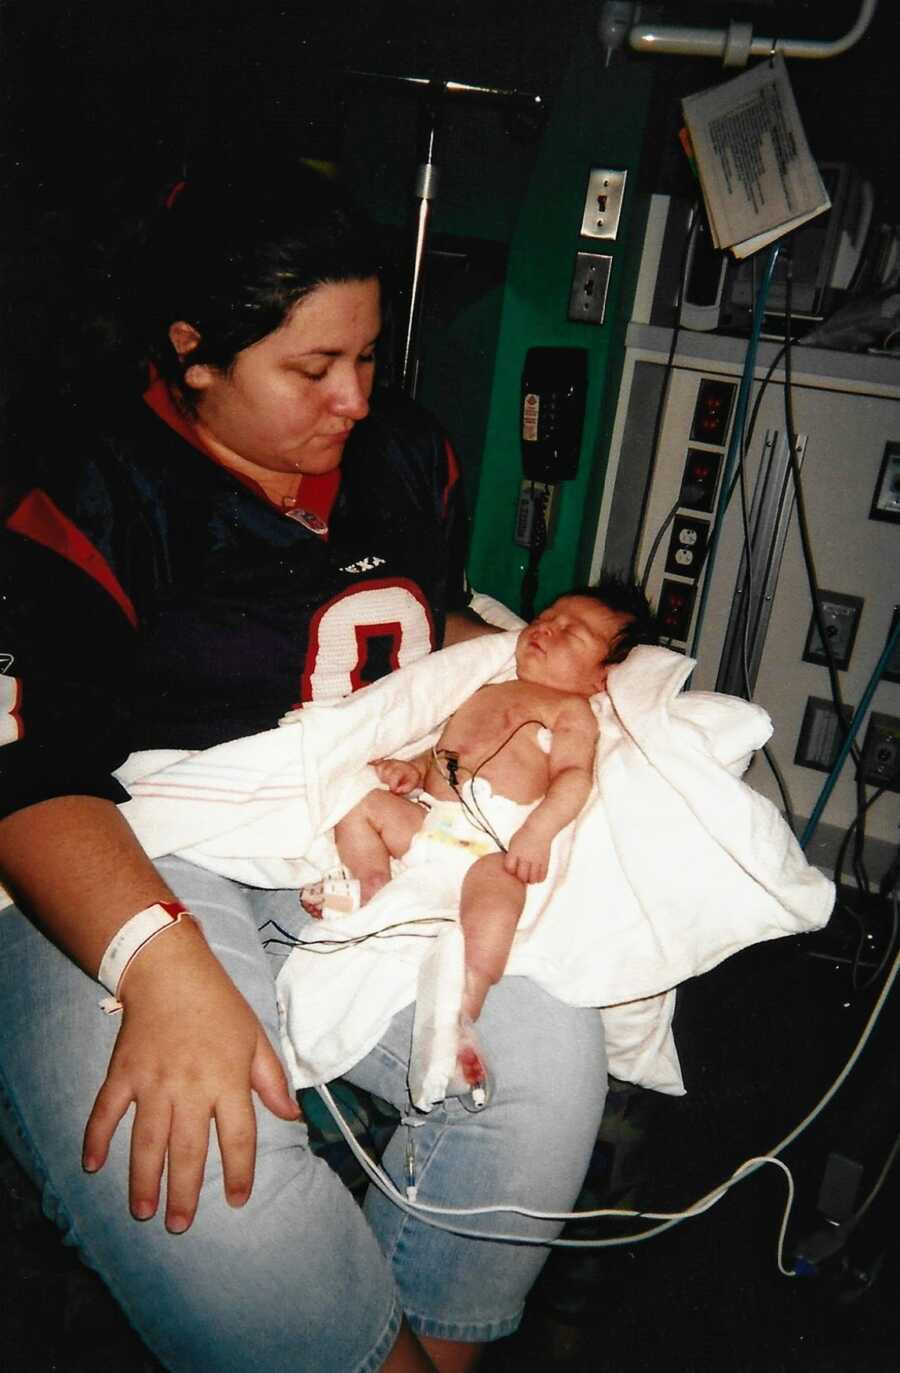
[(149, 598)]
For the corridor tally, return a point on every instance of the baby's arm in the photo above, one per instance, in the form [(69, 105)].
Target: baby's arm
[(571, 772)]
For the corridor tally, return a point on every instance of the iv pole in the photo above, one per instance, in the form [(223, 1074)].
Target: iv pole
[(433, 96)]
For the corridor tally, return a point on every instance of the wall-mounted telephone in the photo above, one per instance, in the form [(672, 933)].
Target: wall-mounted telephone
[(554, 386)]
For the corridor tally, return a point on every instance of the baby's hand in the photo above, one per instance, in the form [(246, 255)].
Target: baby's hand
[(398, 776), (527, 858)]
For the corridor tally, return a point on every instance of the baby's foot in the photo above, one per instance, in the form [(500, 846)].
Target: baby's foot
[(471, 1081), (337, 894)]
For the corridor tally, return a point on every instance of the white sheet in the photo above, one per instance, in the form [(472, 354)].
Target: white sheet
[(674, 864)]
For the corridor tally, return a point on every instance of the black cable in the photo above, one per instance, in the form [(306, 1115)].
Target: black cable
[(326, 946), (480, 820), (802, 522), (654, 547), (536, 547), (741, 476), (862, 805), (838, 880)]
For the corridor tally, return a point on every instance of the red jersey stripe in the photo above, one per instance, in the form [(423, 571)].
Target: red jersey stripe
[(38, 518)]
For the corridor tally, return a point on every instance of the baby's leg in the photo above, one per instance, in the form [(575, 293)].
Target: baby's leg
[(490, 907), (379, 828)]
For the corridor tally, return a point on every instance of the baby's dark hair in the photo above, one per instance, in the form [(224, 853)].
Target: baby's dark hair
[(625, 596)]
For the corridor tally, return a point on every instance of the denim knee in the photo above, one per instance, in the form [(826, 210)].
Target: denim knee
[(530, 1146)]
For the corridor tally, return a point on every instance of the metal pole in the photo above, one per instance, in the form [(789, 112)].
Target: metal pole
[(433, 95), (426, 188)]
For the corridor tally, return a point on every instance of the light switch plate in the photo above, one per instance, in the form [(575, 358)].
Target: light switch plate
[(590, 282), (603, 203)]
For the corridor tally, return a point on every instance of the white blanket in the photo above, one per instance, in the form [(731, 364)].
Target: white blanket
[(673, 865)]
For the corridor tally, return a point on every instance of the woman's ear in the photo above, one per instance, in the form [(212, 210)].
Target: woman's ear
[(184, 338)]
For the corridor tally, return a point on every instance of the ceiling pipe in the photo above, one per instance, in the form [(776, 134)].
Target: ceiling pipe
[(736, 44)]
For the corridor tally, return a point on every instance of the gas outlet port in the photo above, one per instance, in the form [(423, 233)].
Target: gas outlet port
[(880, 760), (840, 620)]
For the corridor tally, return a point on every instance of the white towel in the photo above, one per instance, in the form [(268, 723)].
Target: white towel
[(673, 865)]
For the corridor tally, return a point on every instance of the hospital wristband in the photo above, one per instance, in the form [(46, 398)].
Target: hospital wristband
[(128, 942)]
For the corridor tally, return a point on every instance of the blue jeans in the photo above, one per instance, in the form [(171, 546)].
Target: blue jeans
[(300, 1278)]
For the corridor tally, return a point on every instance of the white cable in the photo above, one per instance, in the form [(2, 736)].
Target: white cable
[(670, 1219)]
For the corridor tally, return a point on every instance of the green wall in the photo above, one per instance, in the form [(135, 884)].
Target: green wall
[(599, 119)]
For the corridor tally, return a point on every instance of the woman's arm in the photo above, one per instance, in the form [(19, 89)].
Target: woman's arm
[(465, 624), (189, 1047)]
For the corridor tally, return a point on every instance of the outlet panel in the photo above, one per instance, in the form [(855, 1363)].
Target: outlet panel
[(840, 615), (676, 606), (687, 547), (590, 283), (700, 479), (603, 203), (712, 412), (880, 760), (820, 735)]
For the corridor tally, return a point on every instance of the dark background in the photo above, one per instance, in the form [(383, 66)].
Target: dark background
[(106, 101)]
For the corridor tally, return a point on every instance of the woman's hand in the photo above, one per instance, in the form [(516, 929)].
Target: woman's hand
[(189, 1050)]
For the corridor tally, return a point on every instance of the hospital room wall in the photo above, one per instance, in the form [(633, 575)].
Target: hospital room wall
[(600, 118)]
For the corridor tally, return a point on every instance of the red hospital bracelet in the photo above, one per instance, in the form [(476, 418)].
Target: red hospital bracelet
[(127, 943)]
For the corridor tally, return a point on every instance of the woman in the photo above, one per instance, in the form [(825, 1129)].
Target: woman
[(258, 529)]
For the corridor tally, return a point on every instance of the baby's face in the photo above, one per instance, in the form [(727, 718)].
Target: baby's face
[(566, 647)]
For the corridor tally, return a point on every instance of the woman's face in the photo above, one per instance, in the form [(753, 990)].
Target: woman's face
[(289, 402)]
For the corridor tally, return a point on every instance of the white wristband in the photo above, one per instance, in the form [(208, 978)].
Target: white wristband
[(127, 943)]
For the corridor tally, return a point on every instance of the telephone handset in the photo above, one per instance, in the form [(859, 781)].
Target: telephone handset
[(554, 386)]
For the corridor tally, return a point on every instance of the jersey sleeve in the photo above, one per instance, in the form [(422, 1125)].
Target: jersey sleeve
[(67, 643)]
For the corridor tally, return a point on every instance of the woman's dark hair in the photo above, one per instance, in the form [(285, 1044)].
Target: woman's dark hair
[(231, 255), (624, 595)]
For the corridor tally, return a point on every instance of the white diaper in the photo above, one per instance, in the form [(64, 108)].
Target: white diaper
[(451, 838)]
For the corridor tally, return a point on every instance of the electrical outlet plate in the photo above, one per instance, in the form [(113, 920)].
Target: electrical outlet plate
[(700, 480), (687, 546), (590, 281), (676, 608), (880, 760), (603, 203), (840, 615)]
